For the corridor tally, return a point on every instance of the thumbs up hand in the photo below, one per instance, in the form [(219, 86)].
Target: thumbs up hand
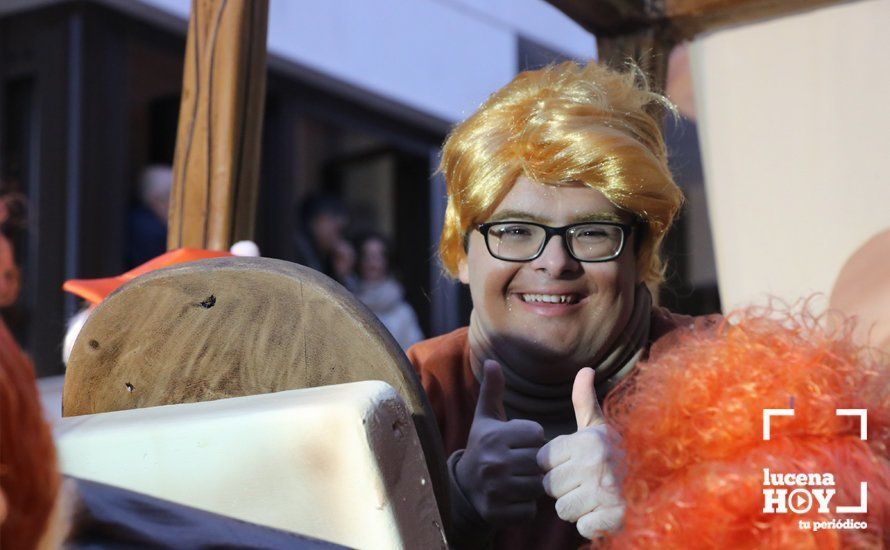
[(498, 472), (579, 474)]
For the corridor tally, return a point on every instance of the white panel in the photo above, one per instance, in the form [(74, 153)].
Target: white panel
[(338, 463), (793, 119)]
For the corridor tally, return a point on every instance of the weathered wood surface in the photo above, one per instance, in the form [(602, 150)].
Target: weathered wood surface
[(693, 17), (681, 18), (230, 327), (216, 164)]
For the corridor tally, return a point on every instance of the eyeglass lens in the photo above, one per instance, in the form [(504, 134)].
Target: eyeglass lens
[(522, 241)]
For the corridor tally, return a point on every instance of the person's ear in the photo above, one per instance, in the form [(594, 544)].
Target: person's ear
[(463, 272)]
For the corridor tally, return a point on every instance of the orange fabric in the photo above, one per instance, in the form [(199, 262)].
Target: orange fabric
[(95, 290), (28, 475), (443, 364)]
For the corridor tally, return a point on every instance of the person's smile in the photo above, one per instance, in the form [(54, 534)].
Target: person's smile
[(549, 302)]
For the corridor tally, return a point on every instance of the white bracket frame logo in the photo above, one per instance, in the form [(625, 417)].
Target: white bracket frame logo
[(861, 413), (863, 435)]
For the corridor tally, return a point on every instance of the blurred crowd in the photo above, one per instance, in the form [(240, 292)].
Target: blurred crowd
[(361, 262)]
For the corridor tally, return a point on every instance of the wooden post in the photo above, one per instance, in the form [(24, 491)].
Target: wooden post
[(216, 164), (649, 48), (627, 30)]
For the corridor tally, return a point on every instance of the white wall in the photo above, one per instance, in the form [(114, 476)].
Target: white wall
[(795, 132), (443, 57)]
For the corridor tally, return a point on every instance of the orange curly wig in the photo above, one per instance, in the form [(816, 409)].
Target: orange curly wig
[(691, 418)]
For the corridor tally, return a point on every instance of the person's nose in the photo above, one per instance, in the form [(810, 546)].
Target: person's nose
[(555, 259)]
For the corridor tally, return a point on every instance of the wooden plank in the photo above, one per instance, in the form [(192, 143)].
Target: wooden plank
[(216, 165), (691, 17), (683, 18)]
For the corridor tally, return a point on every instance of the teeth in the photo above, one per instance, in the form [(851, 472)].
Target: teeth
[(550, 298)]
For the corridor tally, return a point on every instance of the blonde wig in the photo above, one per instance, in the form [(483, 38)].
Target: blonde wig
[(558, 125)]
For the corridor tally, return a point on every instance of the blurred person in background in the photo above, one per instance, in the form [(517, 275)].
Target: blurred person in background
[(147, 220), (10, 277), (320, 243), (13, 221), (382, 293)]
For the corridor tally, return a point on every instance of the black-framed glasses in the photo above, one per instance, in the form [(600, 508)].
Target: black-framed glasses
[(525, 241)]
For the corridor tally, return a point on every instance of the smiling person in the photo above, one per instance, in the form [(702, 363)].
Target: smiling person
[(559, 195)]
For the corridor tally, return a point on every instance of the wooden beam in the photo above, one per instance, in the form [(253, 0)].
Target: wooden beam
[(682, 18), (692, 17), (216, 164)]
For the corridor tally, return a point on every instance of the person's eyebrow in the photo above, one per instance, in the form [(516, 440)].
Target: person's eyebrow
[(517, 215), (520, 215), (599, 217)]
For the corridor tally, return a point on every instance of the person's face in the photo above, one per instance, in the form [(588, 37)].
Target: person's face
[(373, 265), (552, 340), (327, 229), (343, 259), (9, 274), (159, 203)]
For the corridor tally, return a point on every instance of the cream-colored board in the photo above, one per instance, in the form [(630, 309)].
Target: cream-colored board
[(794, 121), (339, 463)]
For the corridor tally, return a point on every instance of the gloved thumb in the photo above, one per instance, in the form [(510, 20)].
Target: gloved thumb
[(491, 392), (587, 409)]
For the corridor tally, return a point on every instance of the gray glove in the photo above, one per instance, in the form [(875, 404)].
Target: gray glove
[(498, 472)]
